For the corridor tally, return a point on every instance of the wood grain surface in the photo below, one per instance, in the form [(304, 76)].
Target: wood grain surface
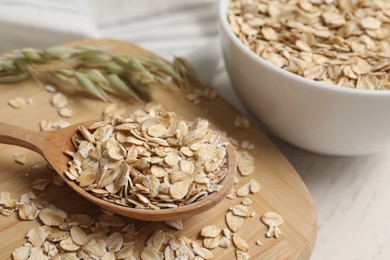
[(282, 188)]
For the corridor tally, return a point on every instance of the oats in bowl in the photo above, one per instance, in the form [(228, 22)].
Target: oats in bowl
[(314, 72), (342, 42), (346, 43)]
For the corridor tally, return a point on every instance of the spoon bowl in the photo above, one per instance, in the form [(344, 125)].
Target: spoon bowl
[(51, 145)]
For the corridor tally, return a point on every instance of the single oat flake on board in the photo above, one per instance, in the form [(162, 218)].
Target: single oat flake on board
[(240, 243), (45, 125), (40, 184), (210, 231), (17, 102), (59, 100), (273, 220), (20, 159), (241, 122), (65, 112)]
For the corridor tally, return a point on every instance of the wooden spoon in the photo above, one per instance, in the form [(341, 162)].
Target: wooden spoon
[(51, 145)]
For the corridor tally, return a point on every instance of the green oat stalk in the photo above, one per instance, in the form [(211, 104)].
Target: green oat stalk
[(97, 71)]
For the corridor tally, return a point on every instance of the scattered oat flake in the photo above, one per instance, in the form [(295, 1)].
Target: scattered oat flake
[(211, 242), (241, 255), (65, 112), (240, 243), (6, 211), (78, 235), (50, 88), (21, 159), (67, 256), (232, 194), (82, 220), (22, 252), (112, 220), (156, 240), (169, 254), (27, 197), (109, 256), (247, 201), (37, 235), (40, 184), (149, 253), (233, 222), (68, 245), (210, 93), (50, 248), (126, 252), (59, 100), (273, 220), (191, 97), (6, 200), (37, 253), (224, 242), (57, 180), (244, 189), (240, 210), (28, 211), (210, 231), (114, 242), (52, 216), (259, 243), (254, 187), (17, 103), (245, 163), (45, 125), (60, 124), (201, 251), (56, 235), (241, 122), (176, 223), (247, 145), (227, 233), (114, 109)]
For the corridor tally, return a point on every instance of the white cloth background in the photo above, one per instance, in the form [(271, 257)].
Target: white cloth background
[(164, 26)]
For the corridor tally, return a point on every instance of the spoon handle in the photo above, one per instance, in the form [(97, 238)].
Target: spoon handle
[(23, 137)]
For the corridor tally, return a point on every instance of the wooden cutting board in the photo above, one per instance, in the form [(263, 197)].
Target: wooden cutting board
[(282, 189)]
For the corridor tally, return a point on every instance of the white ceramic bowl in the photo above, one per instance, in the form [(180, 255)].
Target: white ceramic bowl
[(313, 115)]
